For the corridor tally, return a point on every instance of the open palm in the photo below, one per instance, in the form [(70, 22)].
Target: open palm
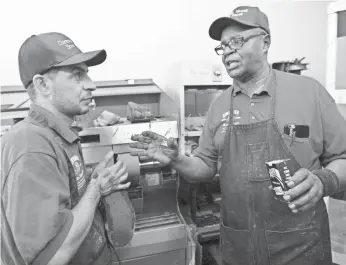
[(155, 146)]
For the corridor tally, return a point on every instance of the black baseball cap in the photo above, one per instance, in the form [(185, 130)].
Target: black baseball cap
[(39, 53), (243, 15)]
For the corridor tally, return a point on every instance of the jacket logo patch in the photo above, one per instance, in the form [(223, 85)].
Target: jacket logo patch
[(225, 121), (79, 171)]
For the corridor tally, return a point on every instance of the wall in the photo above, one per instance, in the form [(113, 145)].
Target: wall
[(141, 37), (340, 81)]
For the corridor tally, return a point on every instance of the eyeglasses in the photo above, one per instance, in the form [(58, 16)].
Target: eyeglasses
[(236, 43)]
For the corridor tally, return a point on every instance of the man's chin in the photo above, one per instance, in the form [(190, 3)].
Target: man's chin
[(234, 73), (82, 110)]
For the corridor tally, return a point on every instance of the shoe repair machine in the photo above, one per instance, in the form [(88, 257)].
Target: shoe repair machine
[(176, 222)]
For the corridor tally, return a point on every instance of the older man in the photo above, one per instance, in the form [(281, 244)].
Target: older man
[(50, 209), (270, 115)]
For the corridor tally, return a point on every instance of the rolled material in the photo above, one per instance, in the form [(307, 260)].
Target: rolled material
[(119, 217), (118, 211), (133, 169)]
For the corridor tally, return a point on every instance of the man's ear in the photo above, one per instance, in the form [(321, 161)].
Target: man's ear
[(266, 43), (43, 84)]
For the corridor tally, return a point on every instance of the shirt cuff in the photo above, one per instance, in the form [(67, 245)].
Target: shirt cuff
[(53, 246)]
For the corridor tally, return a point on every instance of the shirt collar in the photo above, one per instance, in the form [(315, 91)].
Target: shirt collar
[(266, 88), (57, 124)]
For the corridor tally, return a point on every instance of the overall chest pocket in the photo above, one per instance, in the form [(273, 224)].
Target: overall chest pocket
[(256, 155), (301, 149)]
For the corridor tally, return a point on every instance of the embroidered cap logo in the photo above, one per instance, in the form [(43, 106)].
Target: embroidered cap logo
[(67, 43), (239, 12)]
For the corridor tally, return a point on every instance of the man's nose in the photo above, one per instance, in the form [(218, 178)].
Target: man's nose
[(89, 84), (228, 50)]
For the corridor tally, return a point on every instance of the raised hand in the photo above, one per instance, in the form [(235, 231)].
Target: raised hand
[(156, 147), (110, 178)]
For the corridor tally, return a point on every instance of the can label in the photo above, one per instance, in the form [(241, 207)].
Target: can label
[(279, 174)]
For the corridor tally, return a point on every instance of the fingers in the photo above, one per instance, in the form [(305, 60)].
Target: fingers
[(123, 186), (114, 183), (139, 145), (99, 172), (118, 169), (310, 198), (152, 135), (114, 171), (139, 153), (113, 176), (141, 138), (108, 158), (120, 179), (298, 177), (147, 137), (307, 200), (299, 189), (306, 193), (170, 152), (110, 190)]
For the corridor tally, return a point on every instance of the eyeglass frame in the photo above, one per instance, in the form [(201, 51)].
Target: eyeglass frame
[(243, 41)]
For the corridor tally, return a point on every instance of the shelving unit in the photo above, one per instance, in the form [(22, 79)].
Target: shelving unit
[(199, 76), (15, 102)]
